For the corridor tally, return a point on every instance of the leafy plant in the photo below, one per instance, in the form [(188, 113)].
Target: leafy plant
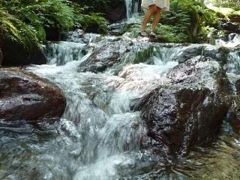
[(42, 14), (17, 31), (235, 4), (188, 18)]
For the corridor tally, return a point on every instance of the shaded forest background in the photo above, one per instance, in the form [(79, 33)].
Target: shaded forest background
[(26, 24)]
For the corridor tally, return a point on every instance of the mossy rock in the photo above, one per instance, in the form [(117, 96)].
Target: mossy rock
[(15, 54)]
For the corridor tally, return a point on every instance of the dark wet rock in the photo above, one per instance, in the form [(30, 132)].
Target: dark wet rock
[(114, 51), (189, 52), (16, 55), (179, 118), (187, 113), (196, 50), (1, 57), (233, 116), (231, 27), (105, 55), (116, 11), (235, 18), (24, 96), (118, 29), (219, 54), (53, 34), (112, 10)]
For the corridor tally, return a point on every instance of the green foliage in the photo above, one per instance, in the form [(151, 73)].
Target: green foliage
[(91, 6), (17, 31), (172, 34), (234, 4), (187, 19), (42, 14)]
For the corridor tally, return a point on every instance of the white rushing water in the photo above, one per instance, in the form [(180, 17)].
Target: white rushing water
[(232, 41), (63, 52), (132, 11), (128, 4), (99, 135), (103, 133)]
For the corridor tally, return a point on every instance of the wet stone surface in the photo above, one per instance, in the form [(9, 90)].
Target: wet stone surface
[(189, 112), (24, 96)]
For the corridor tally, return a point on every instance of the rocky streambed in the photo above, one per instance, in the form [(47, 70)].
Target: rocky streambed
[(133, 109)]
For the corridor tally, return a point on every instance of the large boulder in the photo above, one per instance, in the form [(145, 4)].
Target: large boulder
[(24, 96), (105, 55), (189, 112), (118, 51)]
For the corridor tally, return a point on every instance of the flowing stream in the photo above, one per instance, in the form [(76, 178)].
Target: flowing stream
[(103, 133), (98, 137)]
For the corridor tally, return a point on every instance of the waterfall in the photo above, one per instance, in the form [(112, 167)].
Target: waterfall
[(128, 4), (132, 8)]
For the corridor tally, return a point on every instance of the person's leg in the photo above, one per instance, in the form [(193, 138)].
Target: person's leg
[(156, 19), (149, 13)]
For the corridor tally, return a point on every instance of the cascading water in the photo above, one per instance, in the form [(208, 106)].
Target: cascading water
[(128, 4), (232, 41), (98, 137), (63, 52), (132, 8)]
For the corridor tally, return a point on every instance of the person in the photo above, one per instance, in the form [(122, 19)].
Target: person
[(154, 7)]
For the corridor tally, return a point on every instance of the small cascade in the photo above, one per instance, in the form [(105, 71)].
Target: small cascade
[(132, 8), (233, 65), (99, 135), (63, 52), (233, 40), (101, 132)]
